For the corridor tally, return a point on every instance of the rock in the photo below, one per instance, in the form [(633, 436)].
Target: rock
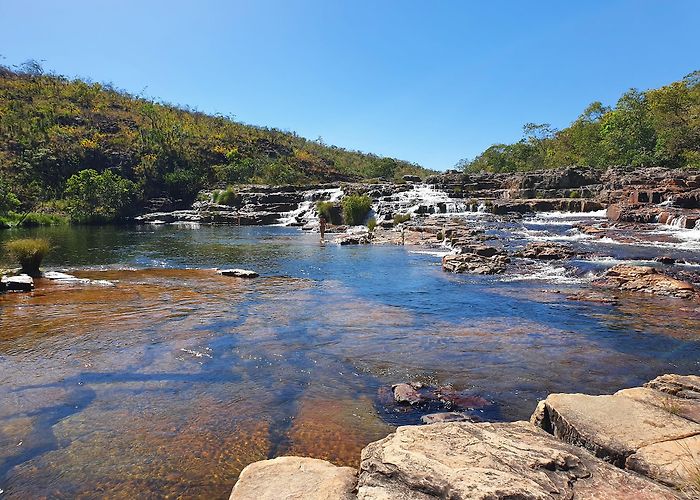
[(355, 239), (473, 263), (674, 463), (680, 406), (443, 417), (411, 178), (406, 394), (19, 283), (665, 259), (238, 273), (593, 297), (69, 279), (646, 279), (546, 251), (612, 427), (295, 478), (685, 386), (490, 461)]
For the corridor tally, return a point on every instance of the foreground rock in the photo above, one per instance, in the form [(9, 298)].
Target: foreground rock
[(19, 283), (650, 431), (490, 461), (295, 478), (474, 263), (238, 273), (646, 279)]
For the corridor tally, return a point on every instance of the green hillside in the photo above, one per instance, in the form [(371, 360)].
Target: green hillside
[(52, 128)]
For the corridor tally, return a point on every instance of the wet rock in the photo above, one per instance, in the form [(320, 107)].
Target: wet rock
[(411, 178), (490, 461), (69, 279), (295, 478), (593, 297), (406, 394), (546, 251), (19, 283), (473, 263), (646, 279), (238, 273), (665, 259), (444, 417)]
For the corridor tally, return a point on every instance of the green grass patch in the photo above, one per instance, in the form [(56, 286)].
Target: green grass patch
[(28, 253)]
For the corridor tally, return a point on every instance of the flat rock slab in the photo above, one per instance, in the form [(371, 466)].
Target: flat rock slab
[(238, 273), (675, 463), (287, 478), (682, 407), (612, 427), (685, 386), (19, 283), (491, 461)]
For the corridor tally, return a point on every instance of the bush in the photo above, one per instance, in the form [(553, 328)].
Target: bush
[(401, 218), (228, 196), (34, 219), (28, 253), (355, 209), (574, 194), (99, 198), (440, 236), (371, 224)]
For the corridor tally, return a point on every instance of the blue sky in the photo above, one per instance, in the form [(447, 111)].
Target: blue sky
[(430, 82)]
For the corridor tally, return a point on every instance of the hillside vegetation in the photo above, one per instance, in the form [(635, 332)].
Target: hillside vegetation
[(66, 144), (659, 127)]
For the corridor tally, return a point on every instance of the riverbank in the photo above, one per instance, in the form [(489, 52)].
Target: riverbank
[(568, 449)]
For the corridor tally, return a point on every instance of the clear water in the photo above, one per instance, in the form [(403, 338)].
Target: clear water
[(172, 381)]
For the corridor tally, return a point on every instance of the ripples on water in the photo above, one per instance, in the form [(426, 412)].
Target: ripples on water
[(172, 381)]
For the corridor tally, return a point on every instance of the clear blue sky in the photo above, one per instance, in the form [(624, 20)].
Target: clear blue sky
[(430, 82)]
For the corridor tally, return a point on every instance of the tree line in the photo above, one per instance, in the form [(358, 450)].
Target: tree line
[(658, 127)]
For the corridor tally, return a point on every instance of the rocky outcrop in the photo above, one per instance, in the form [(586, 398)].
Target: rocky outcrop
[(546, 251), (362, 238), (474, 263), (650, 431), (490, 461), (646, 279), (295, 478)]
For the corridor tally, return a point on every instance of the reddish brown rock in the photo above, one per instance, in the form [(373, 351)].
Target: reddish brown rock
[(646, 279)]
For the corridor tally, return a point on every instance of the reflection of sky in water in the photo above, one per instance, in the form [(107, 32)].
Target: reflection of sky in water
[(175, 379)]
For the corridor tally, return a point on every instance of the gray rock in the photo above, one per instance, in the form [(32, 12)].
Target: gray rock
[(406, 394), (443, 417), (238, 273), (19, 283)]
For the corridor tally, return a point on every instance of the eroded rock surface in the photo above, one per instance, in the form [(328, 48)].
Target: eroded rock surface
[(546, 251), (646, 279), (490, 461)]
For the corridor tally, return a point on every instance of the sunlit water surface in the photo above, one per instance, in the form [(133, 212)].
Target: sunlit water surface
[(170, 382)]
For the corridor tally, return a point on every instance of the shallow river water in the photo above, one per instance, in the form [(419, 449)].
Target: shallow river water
[(174, 379)]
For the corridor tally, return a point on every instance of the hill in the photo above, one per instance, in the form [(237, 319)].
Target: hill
[(52, 128)]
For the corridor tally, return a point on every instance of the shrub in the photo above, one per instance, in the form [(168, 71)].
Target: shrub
[(34, 219), (355, 209), (228, 196), (574, 194), (98, 198), (371, 224), (401, 218), (329, 211), (440, 236), (28, 253)]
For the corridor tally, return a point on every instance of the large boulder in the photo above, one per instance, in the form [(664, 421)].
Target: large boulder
[(490, 461), (646, 279), (474, 263), (649, 431), (295, 478)]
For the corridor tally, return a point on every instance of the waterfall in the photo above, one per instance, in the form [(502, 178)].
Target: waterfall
[(306, 211)]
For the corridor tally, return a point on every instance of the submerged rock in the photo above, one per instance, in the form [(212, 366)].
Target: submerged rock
[(446, 416), (238, 273), (646, 279), (19, 283), (295, 478), (406, 394), (490, 461)]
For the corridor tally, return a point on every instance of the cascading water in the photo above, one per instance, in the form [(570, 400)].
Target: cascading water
[(306, 212), (420, 199)]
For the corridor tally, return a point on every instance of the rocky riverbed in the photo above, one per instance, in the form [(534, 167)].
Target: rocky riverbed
[(641, 443)]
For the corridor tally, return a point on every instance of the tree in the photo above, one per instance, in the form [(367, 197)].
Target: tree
[(99, 198)]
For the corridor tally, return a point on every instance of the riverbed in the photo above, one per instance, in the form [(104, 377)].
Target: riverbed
[(173, 379)]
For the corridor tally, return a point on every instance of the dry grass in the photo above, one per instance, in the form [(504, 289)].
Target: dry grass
[(28, 253)]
